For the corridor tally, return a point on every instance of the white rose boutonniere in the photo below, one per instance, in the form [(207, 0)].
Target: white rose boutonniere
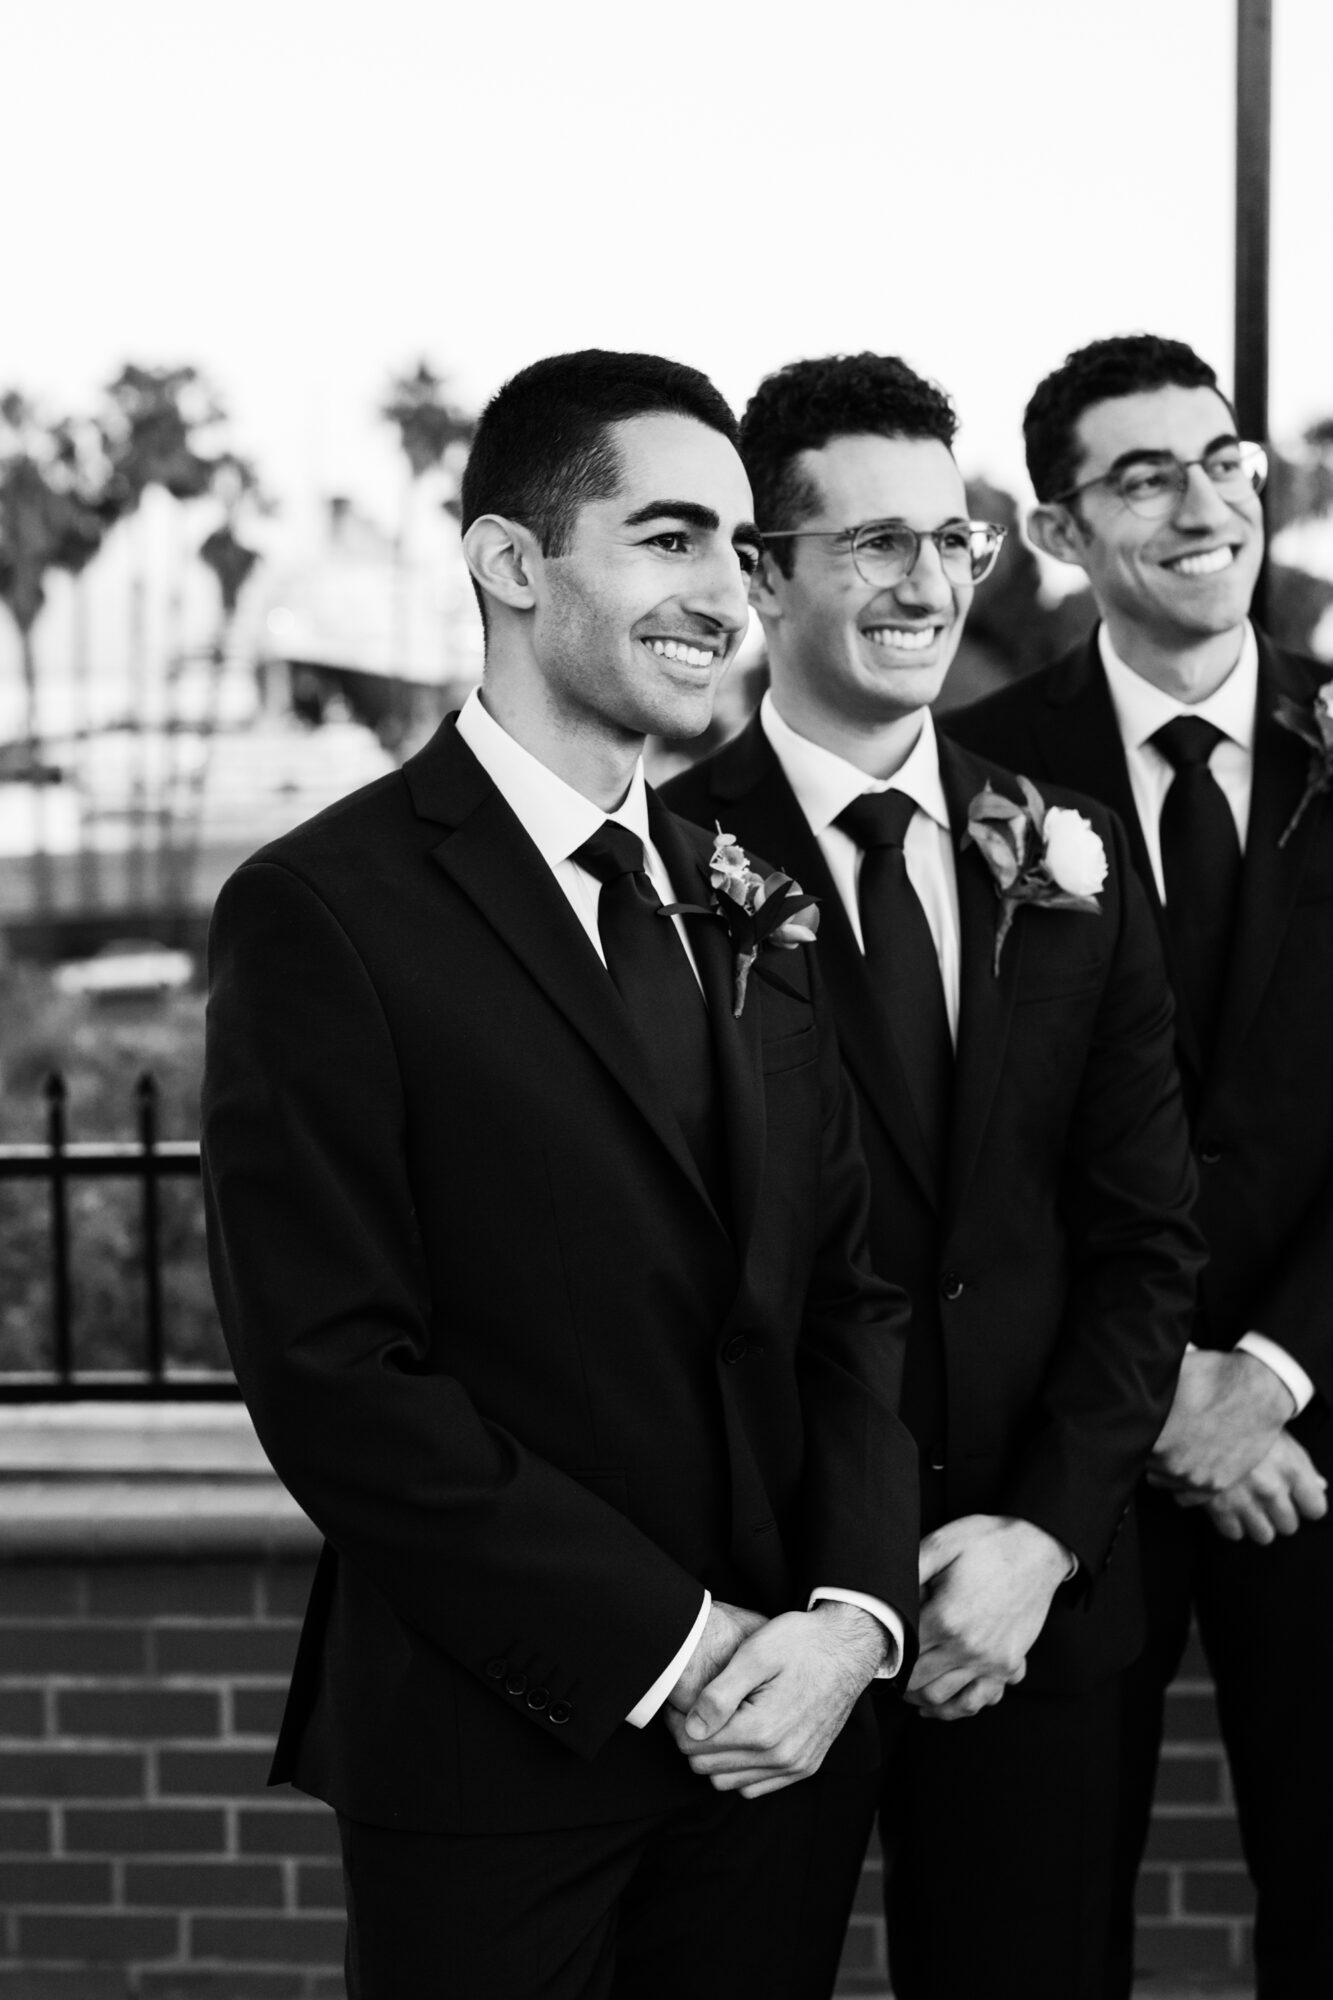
[(758, 910), (1314, 725), (1048, 856)]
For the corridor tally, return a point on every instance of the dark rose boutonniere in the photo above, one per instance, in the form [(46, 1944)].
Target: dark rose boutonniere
[(1314, 725), (758, 910), (1048, 856)]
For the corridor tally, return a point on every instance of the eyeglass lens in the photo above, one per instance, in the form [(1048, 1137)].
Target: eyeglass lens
[(887, 552), (1156, 486)]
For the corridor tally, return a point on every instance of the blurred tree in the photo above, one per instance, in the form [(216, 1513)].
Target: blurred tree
[(434, 434)]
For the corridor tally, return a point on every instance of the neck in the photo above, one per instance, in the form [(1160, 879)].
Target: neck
[(590, 754), (879, 749), (1190, 673)]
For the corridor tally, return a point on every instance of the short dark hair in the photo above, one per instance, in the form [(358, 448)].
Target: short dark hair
[(543, 450), (807, 404), (1125, 365)]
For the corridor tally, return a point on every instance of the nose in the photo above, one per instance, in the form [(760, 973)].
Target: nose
[(926, 584), (1200, 505), (720, 591)]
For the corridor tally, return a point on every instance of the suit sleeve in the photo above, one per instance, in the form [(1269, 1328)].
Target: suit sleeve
[(321, 1283), (1135, 1253)]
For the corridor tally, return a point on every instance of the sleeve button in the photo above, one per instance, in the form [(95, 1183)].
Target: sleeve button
[(951, 1286), (496, 1669), (538, 1698), (736, 1349), (516, 1684), (558, 1712)]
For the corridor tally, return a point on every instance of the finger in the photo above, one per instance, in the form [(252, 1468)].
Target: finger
[(763, 1786), (1309, 1492), (1254, 1524), (946, 1687), (1227, 1522), (1278, 1507), (978, 1694), (716, 1703)]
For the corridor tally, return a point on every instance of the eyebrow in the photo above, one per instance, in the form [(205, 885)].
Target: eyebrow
[(1159, 456), (695, 516)]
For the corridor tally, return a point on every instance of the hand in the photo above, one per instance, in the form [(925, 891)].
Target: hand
[(1272, 1499), (1228, 1411), (724, 1631), (991, 1582), (768, 1718)]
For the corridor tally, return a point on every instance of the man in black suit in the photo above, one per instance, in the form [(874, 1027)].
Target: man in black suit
[(543, 1270), (1212, 744), (1029, 1166)]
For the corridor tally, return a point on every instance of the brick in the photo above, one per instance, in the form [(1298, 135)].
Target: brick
[(172, 1590), (78, 1651), (24, 1832), (36, 1591), (1192, 1718), (166, 1983), (284, 1590), (1218, 1892), (1152, 1893), (1193, 1837), (319, 1885), (220, 1651), (22, 1712), (152, 1712), (211, 1774), (258, 1711), (1191, 1780), (288, 1830), (870, 1893), (146, 1830), (1182, 1948), (269, 1940), (71, 1774), (863, 1949), (218, 1885), (106, 1937), (51, 1983), (54, 1881)]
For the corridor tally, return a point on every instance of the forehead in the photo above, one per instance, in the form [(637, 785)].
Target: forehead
[(1182, 421), (871, 478), (665, 457)]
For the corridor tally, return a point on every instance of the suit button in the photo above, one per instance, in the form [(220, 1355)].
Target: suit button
[(937, 1461), (1210, 1154), (951, 1286), (538, 1698), (496, 1669), (516, 1684), (558, 1712), (736, 1348)]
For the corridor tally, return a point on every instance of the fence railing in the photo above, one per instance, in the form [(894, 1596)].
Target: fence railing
[(146, 1161)]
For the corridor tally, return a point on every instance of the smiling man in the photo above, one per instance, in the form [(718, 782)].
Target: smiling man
[(544, 1274), (1029, 1165), (1206, 737)]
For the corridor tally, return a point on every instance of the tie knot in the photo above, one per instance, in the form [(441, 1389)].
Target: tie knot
[(1187, 741), (878, 819), (611, 852)]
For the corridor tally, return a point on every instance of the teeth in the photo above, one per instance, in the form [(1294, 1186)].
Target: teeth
[(676, 649), (1205, 565), (895, 639)]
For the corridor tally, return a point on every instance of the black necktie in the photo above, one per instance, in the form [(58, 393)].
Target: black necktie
[(652, 974), (1200, 868), (901, 957)]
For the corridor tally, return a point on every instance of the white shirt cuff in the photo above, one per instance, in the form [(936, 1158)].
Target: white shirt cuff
[(647, 1706), (1288, 1372), (886, 1615)]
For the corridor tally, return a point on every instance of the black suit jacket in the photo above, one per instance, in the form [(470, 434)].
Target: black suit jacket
[(1052, 1274), (1262, 1109), (493, 1334)]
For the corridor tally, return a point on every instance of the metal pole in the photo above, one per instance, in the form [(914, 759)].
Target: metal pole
[(1254, 122)]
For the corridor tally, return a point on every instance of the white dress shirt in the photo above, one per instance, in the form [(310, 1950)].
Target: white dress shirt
[(825, 785), (1140, 710), (558, 819)]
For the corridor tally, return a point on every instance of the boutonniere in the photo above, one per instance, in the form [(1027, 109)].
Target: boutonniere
[(1048, 856), (758, 910), (1314, 725)]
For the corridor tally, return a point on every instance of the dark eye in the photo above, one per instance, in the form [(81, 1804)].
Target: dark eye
[(1145, 482), (887, 541), (1224, 464), (675, 540), (954, 541), (748, 558)]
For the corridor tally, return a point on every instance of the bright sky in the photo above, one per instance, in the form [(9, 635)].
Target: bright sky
[(303, 195)]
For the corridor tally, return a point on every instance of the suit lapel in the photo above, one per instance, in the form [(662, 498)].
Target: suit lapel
[(1271, 875), (747, 773), (986, 1002), (490, 858)]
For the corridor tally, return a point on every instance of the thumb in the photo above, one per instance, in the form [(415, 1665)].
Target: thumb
[(937, 1551), (716, 1703)]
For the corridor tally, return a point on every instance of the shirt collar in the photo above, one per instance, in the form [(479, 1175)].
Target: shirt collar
[(1142, 709), (555, 817), (825, 783)]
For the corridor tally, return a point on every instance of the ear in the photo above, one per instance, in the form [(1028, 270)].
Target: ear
[(764, 591), (1052, 528), (504, 558)]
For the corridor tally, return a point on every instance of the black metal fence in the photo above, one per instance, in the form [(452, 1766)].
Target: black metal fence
[(146, 1162)]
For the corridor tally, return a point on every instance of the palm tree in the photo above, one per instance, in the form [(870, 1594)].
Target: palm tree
[(430, 428)]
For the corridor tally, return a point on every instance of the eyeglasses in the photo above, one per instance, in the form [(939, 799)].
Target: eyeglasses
[(885, 552), (1154, 486)]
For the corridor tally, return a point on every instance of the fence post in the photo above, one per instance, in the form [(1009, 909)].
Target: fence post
[(145, 1093), (57, 1096)]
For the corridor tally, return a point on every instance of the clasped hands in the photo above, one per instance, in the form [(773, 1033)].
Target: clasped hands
[(987, 1581), (761, 1700), (1225, 1448)]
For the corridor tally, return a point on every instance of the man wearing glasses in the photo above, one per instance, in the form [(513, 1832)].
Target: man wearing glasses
[(1216, 747), (1029, 1163)]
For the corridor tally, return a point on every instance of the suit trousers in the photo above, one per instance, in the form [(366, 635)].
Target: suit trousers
[(716, 1900), (1266, 1621), (996, 1830)]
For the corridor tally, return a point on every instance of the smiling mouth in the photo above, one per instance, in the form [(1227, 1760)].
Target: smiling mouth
[(682, 650), (902, 639), (1208, 563)]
